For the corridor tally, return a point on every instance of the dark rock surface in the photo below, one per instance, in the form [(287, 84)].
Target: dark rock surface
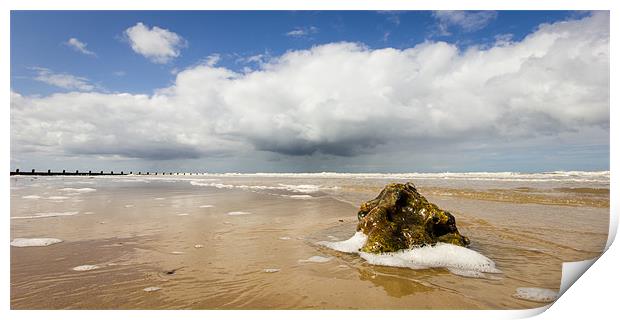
[(401, 218)]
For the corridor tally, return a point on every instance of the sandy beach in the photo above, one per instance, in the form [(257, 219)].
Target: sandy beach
[(252, 241)]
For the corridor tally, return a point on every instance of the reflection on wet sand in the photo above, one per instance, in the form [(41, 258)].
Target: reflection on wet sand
[(394, 285)]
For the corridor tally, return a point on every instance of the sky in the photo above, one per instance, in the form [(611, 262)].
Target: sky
[(310, 91)]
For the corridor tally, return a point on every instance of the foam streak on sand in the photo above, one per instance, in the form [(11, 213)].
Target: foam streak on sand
[(316, 259), (57, 198), (456, 259), (34, 242), (86, 267), (238, 213), (536, 294), (301, 196), (47, 215), (78, 190)]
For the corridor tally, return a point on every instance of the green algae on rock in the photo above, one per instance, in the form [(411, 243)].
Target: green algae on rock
[(401, 218)]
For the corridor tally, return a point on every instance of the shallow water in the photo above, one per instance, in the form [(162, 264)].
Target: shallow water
[(171, 242)]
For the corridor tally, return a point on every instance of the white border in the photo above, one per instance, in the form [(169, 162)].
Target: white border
[(594, 295), (309, 5)]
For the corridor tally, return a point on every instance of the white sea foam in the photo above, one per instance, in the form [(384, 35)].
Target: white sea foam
[(34, 242), (457, 259), (238, 213), (317, 259), (182, 214), (351, 245), (151, 289), (441, 255), (467, 273), (301, 196), (177, 252), (206, 206), (31, 197), (285, 238), (88, 212), (536, 294), (160, 198), (198, 246), (79, 182), (132, 180), (57, 198), (271, 270), (305, 188), (78, 190), (129, 206), (86, 267), (47, 215)]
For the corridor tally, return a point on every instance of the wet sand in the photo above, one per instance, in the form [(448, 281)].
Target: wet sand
[(254, 247)]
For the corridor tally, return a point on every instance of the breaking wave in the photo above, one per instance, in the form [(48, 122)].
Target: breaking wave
[(579, 176), (302, 188)]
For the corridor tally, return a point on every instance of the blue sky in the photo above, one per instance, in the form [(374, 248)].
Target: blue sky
[(231, 34), (225, 66)]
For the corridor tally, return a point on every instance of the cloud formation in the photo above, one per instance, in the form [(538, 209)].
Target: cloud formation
[(344, 99), (156, 44), (62, 80), (302, 31), (468, 21), (79, 46)]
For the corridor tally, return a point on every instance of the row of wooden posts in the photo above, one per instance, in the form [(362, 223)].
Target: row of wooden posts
[(91, 173)]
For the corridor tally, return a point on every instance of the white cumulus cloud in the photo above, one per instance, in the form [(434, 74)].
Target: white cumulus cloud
[(156, 44), (346, 99), (79, 46)]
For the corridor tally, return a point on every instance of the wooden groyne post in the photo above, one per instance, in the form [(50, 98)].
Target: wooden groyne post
[(64, 172)]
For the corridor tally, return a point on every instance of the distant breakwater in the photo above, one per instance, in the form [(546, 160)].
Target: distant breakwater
[(33, 172)]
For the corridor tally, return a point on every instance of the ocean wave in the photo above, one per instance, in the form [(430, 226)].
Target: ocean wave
[(580, 176), (302, 188)]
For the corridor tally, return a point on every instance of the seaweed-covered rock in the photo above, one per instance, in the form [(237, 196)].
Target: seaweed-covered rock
[(401, 218)]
